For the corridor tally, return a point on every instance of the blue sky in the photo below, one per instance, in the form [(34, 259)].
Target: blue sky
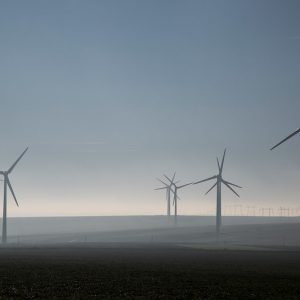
[(109, 95)]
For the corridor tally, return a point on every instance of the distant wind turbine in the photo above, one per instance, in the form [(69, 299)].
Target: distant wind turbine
[(168, 188), (175, 198), (8, 184), (285, 139), (218, 184)]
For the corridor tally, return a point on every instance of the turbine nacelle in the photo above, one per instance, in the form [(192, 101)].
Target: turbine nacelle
[(219, 178), (173, 183)]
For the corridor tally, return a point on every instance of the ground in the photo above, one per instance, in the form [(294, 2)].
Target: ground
[(147, 271)]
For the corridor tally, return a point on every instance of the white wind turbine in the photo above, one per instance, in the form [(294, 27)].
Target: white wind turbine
[(175, 198), (218, 184), (8, 184), (168, 188)]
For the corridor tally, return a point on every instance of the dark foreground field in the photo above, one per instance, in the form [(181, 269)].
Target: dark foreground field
[(138, 271)]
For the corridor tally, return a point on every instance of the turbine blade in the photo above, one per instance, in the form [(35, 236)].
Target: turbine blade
[(219, 167), (211, 188), (162, 182), (181, 186), (168, 178), (12, 191), (162, 188), (288, 137), (232, 184), (173, 176), (12, 167), (231, 188), (213, 177), (222, 164)]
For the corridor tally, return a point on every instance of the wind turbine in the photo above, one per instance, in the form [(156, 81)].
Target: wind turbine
[(168, 188), (175, 198), (218, 184), (8, 184), (288, 137)]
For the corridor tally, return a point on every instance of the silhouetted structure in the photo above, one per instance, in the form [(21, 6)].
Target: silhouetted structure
[(251, 211), (284, 212), (8, 184), (175, 198), (266, 211), (168, 188), (218, 184)]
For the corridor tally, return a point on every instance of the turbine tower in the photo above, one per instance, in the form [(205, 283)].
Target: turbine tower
[(175, 198), (288, 137), (218, 184), (168, 188), (8, 184)]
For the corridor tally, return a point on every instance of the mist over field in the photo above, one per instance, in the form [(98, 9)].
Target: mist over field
[(238, 232), (56, 225)]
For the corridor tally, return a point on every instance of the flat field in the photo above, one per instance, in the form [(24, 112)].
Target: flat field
[(146, 271)]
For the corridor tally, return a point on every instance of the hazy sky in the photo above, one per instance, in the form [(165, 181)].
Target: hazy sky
[(110, 94)]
